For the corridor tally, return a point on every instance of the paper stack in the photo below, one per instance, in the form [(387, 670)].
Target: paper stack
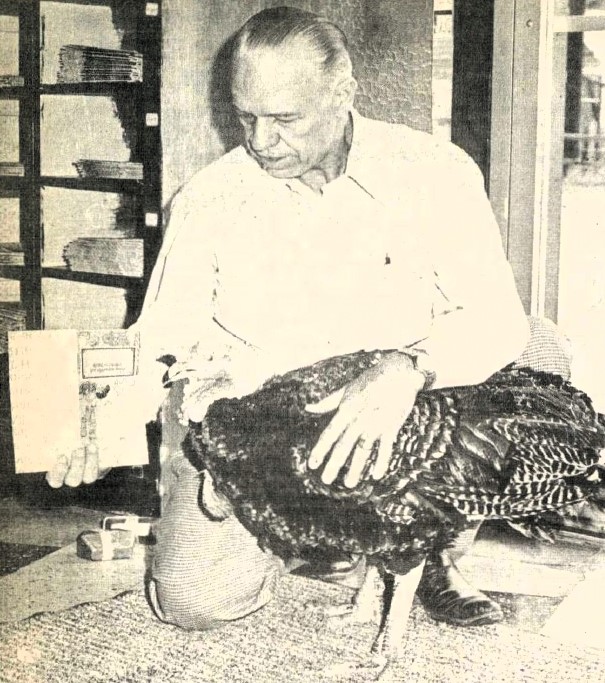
[(12, 318), (101, 168), (11, 254), (107, 255), (12, 81), (83, 64), (12, 168)]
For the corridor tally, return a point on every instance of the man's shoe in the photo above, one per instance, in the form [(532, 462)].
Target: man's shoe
[(448, 597)]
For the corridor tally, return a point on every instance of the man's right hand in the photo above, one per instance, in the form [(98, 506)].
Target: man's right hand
[(82, 467)]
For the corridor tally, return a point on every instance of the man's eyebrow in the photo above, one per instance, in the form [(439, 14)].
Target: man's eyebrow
[(284, 114)]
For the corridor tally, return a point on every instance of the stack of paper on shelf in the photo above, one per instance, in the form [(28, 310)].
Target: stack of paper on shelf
[(12, 318), (13, 168), (11, 254), (102, 168), (83, 63), (108, 255)]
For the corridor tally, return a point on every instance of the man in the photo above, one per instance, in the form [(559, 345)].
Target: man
[(323, 234)]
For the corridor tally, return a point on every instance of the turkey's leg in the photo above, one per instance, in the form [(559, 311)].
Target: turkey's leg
[(389, 640), (366, 605)]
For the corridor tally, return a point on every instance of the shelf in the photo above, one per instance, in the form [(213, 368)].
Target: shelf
[(101, 3), (8, 92), (59, 273), (11, 272), (117, 114), (11, 182), (119, 185), (91, 88)]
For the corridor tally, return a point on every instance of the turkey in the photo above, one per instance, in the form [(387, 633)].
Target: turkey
[(520, 445)]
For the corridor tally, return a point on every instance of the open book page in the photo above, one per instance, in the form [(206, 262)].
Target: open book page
[(73, 388)]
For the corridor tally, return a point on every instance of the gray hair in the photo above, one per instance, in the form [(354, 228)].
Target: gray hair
[(281, 26)]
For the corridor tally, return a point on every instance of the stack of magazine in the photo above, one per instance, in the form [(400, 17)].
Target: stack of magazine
[(100, 168), (12, 318), (12, 168), (12, 81), (85, 64), (107, 255), (11, 254)]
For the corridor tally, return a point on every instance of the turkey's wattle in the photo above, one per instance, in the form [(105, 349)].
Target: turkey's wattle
[(521, 444)]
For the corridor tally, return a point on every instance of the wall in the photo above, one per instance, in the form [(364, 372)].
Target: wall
[(390, 45)]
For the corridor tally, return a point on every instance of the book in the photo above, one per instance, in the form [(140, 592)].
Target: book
[(72, 389)]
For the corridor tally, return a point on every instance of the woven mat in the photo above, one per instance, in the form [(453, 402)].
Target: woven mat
[(120, 641)]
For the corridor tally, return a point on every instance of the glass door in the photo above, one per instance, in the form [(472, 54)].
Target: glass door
[(577, 188), (548, 143)]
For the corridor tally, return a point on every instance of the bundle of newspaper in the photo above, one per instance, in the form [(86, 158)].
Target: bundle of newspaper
[(102, 168), (107, 255), (83, 64)]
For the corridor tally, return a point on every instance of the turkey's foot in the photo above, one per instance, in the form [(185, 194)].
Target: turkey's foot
[(389, 641), (366, 605), (388, 644), (447, 596), (372, 668)]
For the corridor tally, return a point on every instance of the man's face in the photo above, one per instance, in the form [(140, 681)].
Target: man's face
[(291, 113)]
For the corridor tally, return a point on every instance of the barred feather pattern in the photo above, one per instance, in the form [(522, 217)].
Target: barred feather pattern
[(518, 445)]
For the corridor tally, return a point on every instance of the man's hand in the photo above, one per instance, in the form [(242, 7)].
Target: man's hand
[(81, 468), (369, 410)]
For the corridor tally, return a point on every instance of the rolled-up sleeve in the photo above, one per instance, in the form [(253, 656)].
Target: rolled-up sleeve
[(479, 324)]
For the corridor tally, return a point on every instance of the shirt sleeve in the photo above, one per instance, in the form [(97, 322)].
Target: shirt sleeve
[(177, 312), (479, 324)]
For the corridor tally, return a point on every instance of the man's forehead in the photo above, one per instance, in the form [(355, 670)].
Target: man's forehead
[(271, 69)]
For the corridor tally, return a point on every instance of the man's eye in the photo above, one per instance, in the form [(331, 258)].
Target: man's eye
[(286, 119)]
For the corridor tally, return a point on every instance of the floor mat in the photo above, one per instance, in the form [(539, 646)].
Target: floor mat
[(13, 556), (120, 641)]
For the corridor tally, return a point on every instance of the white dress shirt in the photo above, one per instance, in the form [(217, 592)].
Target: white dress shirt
[(402, 251)]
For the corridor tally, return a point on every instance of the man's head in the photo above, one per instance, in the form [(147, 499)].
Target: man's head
[(292, 89)]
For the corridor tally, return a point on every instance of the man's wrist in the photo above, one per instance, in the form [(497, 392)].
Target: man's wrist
[(428, 375)]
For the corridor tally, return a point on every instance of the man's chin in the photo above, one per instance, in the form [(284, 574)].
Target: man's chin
[(284, 172)]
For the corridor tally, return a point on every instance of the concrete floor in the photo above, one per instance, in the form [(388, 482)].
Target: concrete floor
[(532, 581)]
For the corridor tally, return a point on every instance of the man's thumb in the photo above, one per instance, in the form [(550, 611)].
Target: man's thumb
[(327, 405)]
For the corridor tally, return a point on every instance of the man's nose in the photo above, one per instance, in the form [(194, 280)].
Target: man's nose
[(263, 135)]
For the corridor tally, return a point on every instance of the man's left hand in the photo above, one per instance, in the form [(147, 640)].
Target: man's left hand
[(369, 410)]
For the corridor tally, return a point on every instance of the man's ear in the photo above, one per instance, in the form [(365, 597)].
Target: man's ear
[(344, 93)]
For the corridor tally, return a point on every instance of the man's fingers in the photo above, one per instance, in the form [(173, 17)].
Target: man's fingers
[(326, 440), (56, 477), (385, 452), (340, 454), (75, 473), (91, 464), (363, 450), (327, 404)]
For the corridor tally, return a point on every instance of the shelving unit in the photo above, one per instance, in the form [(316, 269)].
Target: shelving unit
[(47, 134)]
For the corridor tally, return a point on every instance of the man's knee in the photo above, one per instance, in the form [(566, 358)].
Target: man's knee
[(548, 350), (179, 608), (206, 602)]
